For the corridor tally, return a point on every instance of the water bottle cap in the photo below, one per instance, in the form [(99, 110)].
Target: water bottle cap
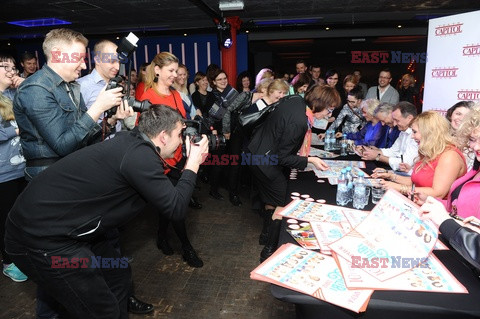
[(345, 135), (349, 168), (361, 174), (343, 171)]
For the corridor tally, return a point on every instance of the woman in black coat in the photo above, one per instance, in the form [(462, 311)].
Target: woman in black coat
[(273, 151)]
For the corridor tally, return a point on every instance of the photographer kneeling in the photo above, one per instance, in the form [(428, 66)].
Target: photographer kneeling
[(55, 231)]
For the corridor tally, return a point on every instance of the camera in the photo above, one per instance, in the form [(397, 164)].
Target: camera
[(137, 106), (198, 126)]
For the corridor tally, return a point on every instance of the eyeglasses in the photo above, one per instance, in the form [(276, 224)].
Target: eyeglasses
[(9, 68), (351, 102), (330, 109)]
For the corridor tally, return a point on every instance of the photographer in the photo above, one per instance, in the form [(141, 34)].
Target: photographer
[(106, 67), (49, 107), (64, 212)]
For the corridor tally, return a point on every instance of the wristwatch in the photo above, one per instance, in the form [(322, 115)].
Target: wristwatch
[(378, 157)]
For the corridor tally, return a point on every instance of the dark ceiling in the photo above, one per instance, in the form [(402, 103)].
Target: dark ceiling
[(193, 16)]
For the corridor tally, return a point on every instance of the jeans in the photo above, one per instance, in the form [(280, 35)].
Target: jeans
[(88, 292)]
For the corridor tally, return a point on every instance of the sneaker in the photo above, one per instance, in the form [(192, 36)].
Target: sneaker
[(14, 273)]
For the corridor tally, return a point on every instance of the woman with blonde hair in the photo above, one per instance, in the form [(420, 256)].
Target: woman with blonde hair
[(463, 196), (12, 180), (180, 84), (161, 75), (439, 161)]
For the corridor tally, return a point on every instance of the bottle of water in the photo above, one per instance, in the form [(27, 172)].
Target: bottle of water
[(343, 145), (342, 189), (328, 140), (360, 192), (349, 177)]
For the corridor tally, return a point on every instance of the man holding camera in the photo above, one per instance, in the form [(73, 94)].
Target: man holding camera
[(106, 67), (55, 231), (91, 85), (49, 108), (52, 116)]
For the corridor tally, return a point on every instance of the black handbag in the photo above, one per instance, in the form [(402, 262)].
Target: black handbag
[(250, 120)]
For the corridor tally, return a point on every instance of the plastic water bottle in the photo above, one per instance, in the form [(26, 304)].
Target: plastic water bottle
[(333, 141), (342, 189), (349, 177), (343, 145), (328, 140), (360, 192)]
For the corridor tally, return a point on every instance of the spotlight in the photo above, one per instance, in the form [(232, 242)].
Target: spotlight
[(224, 35)]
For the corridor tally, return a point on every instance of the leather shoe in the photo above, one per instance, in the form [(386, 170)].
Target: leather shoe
[(163, 245), (216, 195), (194, 203), (190, 256), (138, 306), (235, 200)]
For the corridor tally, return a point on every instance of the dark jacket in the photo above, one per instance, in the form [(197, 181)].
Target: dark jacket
[(281, 136), (95, 189), (463, 240)]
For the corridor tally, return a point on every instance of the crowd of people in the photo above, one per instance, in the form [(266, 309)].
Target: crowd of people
[(53, 121)]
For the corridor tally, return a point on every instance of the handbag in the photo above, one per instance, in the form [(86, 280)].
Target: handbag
[(250, 120)]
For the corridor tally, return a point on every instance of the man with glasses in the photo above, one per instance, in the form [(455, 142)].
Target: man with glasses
[(384, 92)]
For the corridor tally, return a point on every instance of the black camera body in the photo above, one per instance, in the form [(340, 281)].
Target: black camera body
[(196, 128), (137, 106)]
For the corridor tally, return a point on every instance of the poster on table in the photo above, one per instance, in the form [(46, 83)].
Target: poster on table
[(393, 231), (311, 211), (335, 167), (431, 276), (313, 274), (452, 72)]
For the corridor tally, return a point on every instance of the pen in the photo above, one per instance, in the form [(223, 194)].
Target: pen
[(461, 219), (412, 195), (401, 158)]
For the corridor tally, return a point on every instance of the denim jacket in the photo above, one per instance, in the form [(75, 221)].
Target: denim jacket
[(51, 124)]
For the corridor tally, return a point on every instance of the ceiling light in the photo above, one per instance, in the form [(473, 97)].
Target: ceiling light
[(327, 28), (39, 22), (230, 5), (399, 26)]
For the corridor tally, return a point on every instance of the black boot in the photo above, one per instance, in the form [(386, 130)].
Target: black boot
[(137, 306), (272, 240), (163, 245), (267, 220), (190, 256)]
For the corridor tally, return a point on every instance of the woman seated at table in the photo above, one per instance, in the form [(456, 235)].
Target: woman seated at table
[(463, 236), (277, 141), (455, 116), (463, 197), (371, 133), (439, 161)]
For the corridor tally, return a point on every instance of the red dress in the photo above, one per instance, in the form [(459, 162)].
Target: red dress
[(173, 100), (424, 176)]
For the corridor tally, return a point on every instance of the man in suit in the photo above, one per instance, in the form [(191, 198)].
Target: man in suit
[(384, 92)]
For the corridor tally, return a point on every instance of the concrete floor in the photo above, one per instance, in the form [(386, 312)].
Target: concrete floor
[(225, 237)]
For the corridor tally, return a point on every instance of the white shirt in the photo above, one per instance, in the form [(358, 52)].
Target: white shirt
[(404, 145)]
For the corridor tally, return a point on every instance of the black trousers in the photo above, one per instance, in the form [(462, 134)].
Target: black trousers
[(96, 291), (10, 191)]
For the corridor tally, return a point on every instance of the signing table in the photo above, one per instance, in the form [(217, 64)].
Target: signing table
[(386, 303)]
